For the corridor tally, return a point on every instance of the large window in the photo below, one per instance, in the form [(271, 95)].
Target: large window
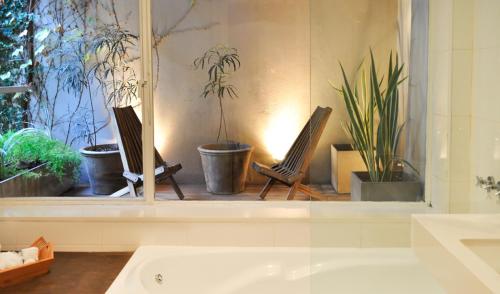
[(246, 97), (64, 66)]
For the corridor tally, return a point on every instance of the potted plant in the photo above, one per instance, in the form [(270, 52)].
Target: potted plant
[(33, 164), (225, 164), (375, 132)]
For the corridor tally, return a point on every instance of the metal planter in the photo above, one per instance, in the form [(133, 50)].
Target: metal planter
[(408, 188)]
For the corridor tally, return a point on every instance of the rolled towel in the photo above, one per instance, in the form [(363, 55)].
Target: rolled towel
[(30, 253), (28, 261), (10, 259)]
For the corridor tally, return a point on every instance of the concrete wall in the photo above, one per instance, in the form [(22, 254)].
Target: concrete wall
[(289, 50)]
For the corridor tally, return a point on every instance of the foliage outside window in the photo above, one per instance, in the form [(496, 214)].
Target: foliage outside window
[(15, 61)]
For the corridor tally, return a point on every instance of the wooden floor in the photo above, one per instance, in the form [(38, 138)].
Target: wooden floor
[(75, 273), (199, 192), (251, 193)]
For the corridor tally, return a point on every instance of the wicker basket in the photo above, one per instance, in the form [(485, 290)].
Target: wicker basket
[(25, 272)]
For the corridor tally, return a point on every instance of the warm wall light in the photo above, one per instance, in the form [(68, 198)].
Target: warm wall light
[(161, 135), (281, 131)]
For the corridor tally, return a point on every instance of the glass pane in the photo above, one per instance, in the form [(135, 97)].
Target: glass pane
[(338, 168), (80, 59), (265, 50)]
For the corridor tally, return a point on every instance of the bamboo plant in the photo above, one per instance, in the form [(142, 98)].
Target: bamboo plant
[(373, 108), (221, 62)]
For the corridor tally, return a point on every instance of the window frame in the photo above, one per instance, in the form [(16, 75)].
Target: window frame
[(146, 94)]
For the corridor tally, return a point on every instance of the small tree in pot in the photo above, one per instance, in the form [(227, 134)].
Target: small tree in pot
[(111, 68), (375, 132), (225, 165)]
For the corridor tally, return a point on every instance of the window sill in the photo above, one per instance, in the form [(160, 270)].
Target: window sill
[(211, 211)]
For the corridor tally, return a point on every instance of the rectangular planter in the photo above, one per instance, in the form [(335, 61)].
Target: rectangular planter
[(47, 184), (344, 161), (408, 189)]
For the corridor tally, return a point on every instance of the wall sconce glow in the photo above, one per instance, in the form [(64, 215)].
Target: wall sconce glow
[(161, 136), (281, 131)]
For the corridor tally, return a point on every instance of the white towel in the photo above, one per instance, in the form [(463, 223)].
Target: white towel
[(28, 261), (10, 259), (30, 253)]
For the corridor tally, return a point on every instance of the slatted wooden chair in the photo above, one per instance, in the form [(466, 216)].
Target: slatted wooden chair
[(128, 129), (292, 169)]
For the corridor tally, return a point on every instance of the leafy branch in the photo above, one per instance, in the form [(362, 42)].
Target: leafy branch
[(221, 62)]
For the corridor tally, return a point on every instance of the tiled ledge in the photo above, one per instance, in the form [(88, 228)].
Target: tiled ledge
[(285, 224), (241, 211)]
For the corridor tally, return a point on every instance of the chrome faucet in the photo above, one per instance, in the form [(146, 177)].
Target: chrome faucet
[(489, 185)]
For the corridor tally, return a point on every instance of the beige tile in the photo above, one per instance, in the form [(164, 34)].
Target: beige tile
[(292, 235), (440, 145), (486, 84), (463, 24), (460, 197), (460, 149), (440, 70), (144, 234), (60, 233), (335, 235), (440, 25), (487, 20), (8, 233), (230, 234), (385, 235), (485, 150), (440, 194), (461, 92)]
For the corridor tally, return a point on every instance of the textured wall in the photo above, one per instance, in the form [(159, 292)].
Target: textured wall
[(344, 31)]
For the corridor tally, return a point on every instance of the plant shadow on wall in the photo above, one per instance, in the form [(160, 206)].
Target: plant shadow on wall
[(80, 58), (225, 165), (375, 129)]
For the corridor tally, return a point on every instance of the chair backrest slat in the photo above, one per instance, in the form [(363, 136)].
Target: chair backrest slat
[(298, 157), (130, 131)]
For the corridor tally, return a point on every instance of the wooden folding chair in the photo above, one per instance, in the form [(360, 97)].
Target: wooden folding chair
[(128, 129), (292, 169)]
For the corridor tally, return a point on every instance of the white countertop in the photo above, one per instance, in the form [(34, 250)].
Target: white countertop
[(448, 232)]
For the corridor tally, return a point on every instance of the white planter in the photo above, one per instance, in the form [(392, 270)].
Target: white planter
[(344, 161)]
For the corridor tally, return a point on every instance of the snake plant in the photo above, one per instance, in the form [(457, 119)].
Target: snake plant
[(373, 109)]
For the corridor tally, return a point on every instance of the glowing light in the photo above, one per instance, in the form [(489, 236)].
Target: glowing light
[(161, 136), (281, 131)]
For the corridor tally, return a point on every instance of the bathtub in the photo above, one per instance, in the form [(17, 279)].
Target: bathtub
[(236, 270)]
